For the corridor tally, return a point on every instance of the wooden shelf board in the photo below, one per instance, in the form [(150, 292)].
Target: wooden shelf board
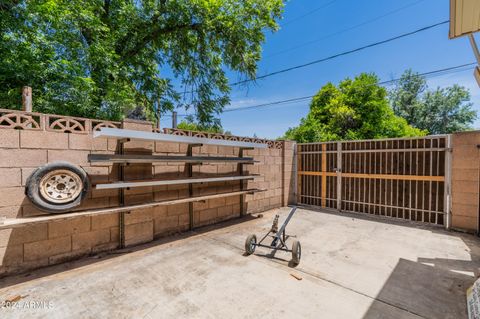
[(95, 158), (20, 222), (161, 137), (118, 185)]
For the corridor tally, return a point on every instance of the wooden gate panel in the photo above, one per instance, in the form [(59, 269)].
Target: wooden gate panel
[(400, 178)]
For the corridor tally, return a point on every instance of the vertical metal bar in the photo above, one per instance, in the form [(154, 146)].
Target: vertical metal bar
[(121, 195), (242, 184), (299, 177), (448, 176), (295, 174), (324, 174), (339, 176), (410, 184)]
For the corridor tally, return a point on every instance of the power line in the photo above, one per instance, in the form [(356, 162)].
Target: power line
[(342, 53), (458, 68), (344, 30), (308, 13), (453, 69)]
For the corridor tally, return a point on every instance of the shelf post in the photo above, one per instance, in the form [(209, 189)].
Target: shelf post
[(242, 182), (190, 185), (121, 193)]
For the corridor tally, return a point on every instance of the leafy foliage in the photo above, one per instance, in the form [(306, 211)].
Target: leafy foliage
[(102, 58), (437, 111), (356, 109), (191, 125)]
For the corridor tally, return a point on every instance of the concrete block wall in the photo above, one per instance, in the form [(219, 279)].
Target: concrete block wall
[(465, 180), (36, 245)]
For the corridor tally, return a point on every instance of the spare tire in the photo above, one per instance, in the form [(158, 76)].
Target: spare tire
[(57, 187)]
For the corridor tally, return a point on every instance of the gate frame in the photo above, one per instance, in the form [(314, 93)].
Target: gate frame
[(447, 202)]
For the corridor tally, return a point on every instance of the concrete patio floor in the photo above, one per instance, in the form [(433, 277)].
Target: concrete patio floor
[(353, 266)]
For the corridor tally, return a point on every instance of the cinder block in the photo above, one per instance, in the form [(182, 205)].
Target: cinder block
[(11, 255), (47, 248), (68, 256), (166, 224), (177, 209), (22, 157), (465, 198), (10, 177), (465, 138), (166, 195), (87, 142), (12, 196), (25, 234), (43, 139), (137, 125), (105, 247), (138, 233), (159, 212), (464, 210), (225, 211), (68, 227), (9, 138), (115, 235), (71, 156), (104, 221), (164, 147), (216, 202), (139, 216), (208, 214), (464, 186), (92, 203), (85, 241), (11, 211), (29, 210), (465, 175), (464, 222), (138, 199), (25, 174)]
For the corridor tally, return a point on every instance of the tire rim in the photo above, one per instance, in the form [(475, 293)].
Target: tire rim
[(60, 186), (252, 244), (299, 252)]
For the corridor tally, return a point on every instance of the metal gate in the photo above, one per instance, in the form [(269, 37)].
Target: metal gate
[(402, 178)]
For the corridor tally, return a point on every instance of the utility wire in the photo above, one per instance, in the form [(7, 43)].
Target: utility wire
[(308, 13), (342, 53), (453, 69), (343, 30), (297, 99)]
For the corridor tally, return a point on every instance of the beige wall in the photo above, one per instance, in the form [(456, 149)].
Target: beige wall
[(465, 180), (35, 245)]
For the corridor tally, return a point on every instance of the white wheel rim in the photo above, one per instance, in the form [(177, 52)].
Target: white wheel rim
[(60, 186)]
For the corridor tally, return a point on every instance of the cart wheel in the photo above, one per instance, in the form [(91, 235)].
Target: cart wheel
[(296, 252), (57, 187), (250, 244)]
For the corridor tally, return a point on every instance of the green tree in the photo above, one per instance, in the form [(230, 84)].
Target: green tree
[(355, 109), (191, 125), (102, 58), (439, 111)]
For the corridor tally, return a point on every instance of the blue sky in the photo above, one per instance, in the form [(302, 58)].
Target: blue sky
[(306, 21)]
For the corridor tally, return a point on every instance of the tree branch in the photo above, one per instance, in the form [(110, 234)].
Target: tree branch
[(142, 42)]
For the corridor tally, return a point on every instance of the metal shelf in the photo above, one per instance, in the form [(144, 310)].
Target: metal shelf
[(124, 159), (160, 137), (20, 222), (120, 185)]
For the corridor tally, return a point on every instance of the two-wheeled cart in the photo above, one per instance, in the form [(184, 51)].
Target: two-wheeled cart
[(279, 240)]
